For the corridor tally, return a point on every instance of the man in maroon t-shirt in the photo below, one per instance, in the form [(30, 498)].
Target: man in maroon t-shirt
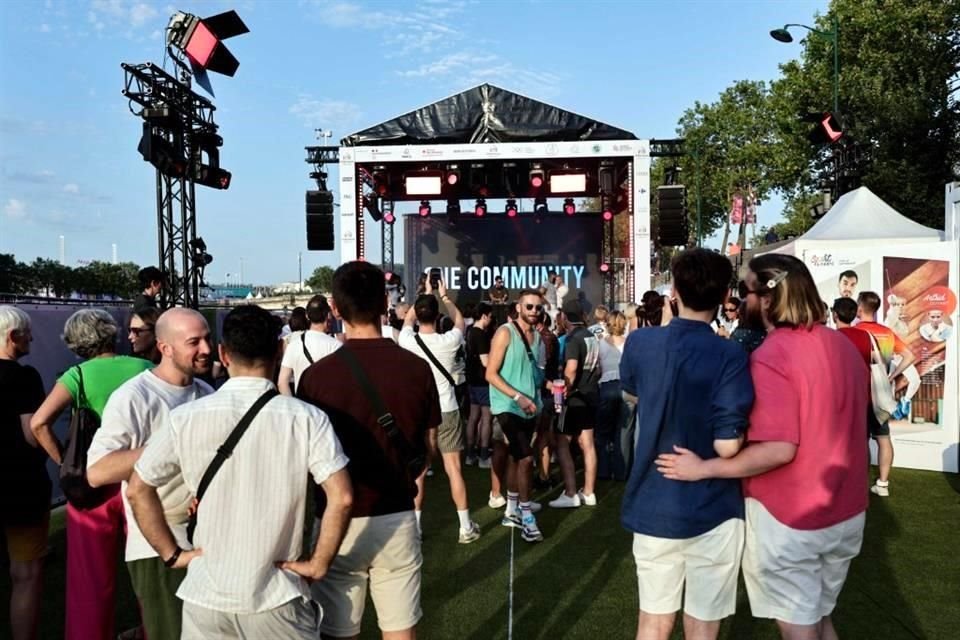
[(382, 541)]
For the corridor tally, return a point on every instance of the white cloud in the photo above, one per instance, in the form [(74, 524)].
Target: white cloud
[(141, 13), (15, 209), (447, 65), (468, 67), (329, 114), (71, 187), (428, 26), (44, 28)]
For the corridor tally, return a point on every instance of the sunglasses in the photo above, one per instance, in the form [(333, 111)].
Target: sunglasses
[(744, 290), (531, 307), (138, 330), (729, 309)]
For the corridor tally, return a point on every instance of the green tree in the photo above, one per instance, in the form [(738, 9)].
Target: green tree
[(899, 76), (321, 280), (733, 145), (12, 274)]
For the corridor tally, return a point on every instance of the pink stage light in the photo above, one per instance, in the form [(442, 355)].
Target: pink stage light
[(424, 209), (511, 208), (604, 268), (607, 215), (568, 207), (389, 218), (480, 209)]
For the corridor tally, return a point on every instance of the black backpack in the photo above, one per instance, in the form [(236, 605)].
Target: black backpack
[(73, 471)]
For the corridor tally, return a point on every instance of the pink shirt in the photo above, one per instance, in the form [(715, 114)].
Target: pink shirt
[(812, 389)]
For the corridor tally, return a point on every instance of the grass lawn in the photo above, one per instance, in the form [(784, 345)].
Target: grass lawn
[(579, 582)]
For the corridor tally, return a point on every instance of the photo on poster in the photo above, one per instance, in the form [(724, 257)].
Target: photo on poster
[(847, 282), (918, 307)]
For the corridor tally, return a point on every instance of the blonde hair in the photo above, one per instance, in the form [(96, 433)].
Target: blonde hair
[(630, 311), (600, 313), (616, 323), (90, 332), (794, 299)]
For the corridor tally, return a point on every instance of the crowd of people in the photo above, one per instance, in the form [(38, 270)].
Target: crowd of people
[(739, 424)]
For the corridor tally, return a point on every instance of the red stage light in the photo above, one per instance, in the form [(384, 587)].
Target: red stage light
[(607, 215), (511, 208), (604, 268), (453, 178), (389, 218), (202, 44), (424, 209), (480, 209), (568, 207), (536, 181)]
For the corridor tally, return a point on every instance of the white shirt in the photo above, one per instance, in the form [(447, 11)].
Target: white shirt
[(610, 361), (319, 344), (939, 334), (723, 322), (132, 417), (444, 348), (252, 513), (562, 291)]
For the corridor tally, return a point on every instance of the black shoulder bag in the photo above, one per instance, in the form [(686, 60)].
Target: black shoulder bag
[(413, 460), (224, 452), (84, 423), (433, 359)]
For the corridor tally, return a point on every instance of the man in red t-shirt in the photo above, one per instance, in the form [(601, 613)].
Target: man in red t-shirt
[(844, 313), (889, 345)]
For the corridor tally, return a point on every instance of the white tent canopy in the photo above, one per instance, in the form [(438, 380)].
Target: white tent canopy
[(859, 218)]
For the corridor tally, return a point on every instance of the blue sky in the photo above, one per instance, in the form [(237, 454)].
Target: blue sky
[(68, 158)]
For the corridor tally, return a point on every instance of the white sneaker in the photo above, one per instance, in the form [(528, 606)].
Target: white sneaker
[(469, 535), (529, 530), (496, 502), (484, 463), (563, 501), (587, 500), (881, 490)]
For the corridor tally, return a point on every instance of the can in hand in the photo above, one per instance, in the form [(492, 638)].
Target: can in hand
[(558, 388)]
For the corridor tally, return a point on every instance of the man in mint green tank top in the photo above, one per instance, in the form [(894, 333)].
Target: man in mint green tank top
[(515, 380)]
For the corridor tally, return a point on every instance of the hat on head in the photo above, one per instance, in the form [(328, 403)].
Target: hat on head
[(573, 310)]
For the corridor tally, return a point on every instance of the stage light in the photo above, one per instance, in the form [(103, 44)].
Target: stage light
[(381, 181), (478, 180), (206, 162), (159, 152), (388, 216), (453, 176), (569, 207), (423, 183), (606, 206), (540, 206), (537, 177), (480, 209), (604, 268), (201, 39), (213, 177), (511, 208), (568, 181), (424, 209)]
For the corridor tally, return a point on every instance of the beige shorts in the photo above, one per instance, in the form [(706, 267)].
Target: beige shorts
[(701, 572), (450, 433), (384, 552), (795, 575), (296, 620)]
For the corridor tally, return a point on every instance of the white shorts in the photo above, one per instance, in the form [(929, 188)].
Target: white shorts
[(795, 575), (708, 564)]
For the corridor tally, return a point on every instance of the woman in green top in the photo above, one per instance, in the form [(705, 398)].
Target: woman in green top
[(94, 536)]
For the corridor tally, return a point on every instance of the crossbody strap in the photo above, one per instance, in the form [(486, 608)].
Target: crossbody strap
[(433, 359), (226, 450), (384, 417), (523, 337), (81, 393), (303, 341)]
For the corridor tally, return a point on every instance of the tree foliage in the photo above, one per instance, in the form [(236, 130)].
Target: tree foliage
[(899, 80), (321, 280), (49, 277)]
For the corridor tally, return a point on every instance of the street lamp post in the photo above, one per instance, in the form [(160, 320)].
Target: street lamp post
[(783, 35)]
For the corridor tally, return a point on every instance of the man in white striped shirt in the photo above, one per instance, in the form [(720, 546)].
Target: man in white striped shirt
[(244, 579)]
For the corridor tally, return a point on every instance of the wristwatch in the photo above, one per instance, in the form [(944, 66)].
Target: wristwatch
[(172, 560)]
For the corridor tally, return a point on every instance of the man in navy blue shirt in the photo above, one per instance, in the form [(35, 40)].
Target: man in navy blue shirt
[(694, 393)]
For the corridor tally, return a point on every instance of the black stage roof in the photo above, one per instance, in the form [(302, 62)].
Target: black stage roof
[(485, 114)]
